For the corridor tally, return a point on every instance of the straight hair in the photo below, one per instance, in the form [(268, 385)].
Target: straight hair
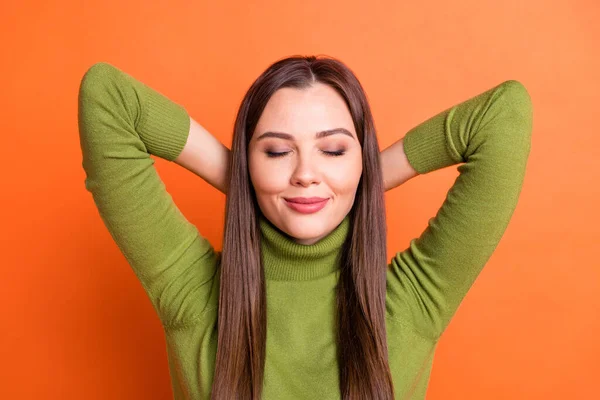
[(361, 290)]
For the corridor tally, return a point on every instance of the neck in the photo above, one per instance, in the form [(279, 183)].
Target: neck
[(286, 260)]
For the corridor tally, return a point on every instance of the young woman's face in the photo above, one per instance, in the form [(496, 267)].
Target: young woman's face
[(288, 158)]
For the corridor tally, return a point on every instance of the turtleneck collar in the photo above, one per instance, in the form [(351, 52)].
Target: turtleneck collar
[(286, 260)]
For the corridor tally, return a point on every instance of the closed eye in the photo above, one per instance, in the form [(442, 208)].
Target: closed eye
[(329, 153), (334, 153), (273, 154)]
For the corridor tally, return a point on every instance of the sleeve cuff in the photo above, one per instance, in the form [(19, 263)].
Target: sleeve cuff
[(427, 145), (164, 125)]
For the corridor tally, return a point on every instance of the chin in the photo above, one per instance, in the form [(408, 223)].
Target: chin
[(306, 234), (306, 227)]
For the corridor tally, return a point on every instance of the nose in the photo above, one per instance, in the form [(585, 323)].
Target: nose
[(305, 172)]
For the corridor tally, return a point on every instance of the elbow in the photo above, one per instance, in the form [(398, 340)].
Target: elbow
[(518, 98), (519, 102), (95, 78)]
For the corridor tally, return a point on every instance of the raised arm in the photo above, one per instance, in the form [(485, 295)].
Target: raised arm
[(121, 123), (395, 166), (491, 134), (205, 156)]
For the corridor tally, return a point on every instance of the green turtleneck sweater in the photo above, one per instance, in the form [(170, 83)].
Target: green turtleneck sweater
[(122, 122)]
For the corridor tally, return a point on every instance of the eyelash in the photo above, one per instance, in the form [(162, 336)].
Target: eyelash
[(329, 153)]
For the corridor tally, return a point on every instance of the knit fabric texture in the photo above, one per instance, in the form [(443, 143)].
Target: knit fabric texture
[(122, 121)]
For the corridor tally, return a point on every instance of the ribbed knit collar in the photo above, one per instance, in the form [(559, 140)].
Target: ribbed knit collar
[(286, 260)]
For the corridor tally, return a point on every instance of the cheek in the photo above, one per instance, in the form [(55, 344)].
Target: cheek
[(265, 178), (344, 179)]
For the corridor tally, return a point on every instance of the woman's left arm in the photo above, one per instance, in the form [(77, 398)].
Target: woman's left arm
[(491, 134), (395, 166)]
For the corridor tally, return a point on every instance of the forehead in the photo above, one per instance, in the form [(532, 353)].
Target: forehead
[(303, 112)]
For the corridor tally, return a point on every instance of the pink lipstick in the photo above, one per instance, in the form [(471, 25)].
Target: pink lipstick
[(306, 205)]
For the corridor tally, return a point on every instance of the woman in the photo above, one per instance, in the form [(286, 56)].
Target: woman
[(301, 301)]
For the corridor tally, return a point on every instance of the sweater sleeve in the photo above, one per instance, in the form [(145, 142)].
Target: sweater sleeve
[(121, 123), (491, 134)]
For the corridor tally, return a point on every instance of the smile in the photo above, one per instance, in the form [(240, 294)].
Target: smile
[(306, 208)]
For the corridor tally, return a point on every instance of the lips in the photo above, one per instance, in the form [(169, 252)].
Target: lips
[(306, 205), (305, 200)]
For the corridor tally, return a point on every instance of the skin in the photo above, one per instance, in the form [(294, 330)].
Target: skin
[(307, 166), (305, 171)]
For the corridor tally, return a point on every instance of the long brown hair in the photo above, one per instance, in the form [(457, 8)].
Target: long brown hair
[(361, 334)]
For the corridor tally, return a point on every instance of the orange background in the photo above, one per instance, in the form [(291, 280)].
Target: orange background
[(77, 324)]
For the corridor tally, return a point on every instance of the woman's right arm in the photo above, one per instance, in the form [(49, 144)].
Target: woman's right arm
[(205, 156), (121, 123)]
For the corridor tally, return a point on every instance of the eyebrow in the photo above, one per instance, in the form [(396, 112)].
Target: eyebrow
[(318, 135)]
